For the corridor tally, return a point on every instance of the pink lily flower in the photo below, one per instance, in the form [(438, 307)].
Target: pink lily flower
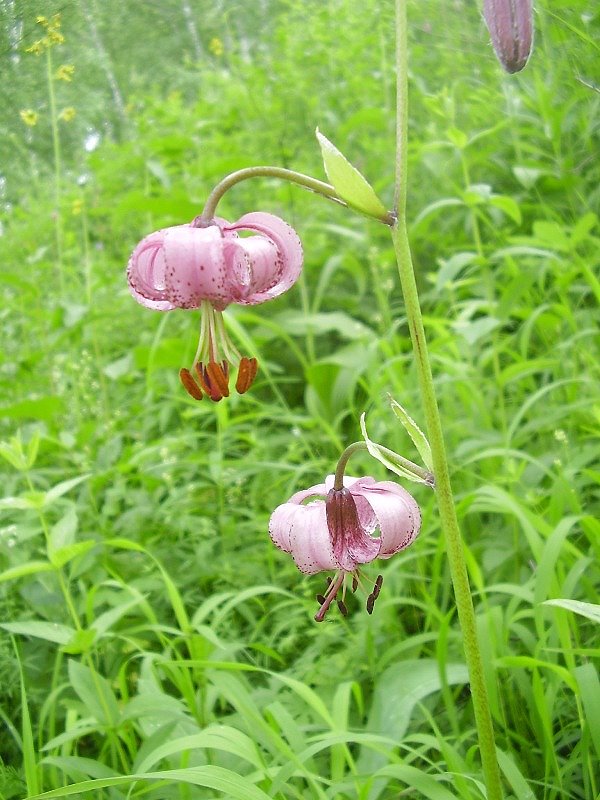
[(339, 533), (188, 266)]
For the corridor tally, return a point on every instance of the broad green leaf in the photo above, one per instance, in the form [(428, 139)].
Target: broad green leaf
[(514, 777), (589, 689), (44, 408), (81, 641), (217, 737), (62, 534), (589, 610), (50, 631), (416, 434), (22, 570), (95, 693), (398, 692), (63, 555), (350, 185), (62, 488), (13, 453)]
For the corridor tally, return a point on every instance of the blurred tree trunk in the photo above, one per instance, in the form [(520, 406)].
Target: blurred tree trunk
[(88, 9), (191, 23)]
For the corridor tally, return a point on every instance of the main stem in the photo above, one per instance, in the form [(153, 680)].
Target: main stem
[(446, 507)]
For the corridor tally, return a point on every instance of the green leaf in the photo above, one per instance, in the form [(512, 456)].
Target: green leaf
[(217, 778), (49, 631), (22, 570), (63, 555), (45, 408), (29, 754), (398, 691), (62, 534), (394, 462), (350, 185), (62, 488), (589, 688), (589, 610), (416, 434), (95, 693)]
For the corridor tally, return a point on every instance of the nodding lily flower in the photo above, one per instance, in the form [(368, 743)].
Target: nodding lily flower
[(189, 266), (353, 526), (510, 23)]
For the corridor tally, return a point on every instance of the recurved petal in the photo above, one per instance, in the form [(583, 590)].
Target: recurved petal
[(195, 267), (397, 513), (253, 266), (319, 490), (302, 531), (289, 252), (146, 273)]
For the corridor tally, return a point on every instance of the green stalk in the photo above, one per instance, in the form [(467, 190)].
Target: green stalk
[(324, 189), (57, 165), (446, 507)]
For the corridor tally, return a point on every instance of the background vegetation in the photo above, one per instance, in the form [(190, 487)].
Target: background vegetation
[(149, 625)]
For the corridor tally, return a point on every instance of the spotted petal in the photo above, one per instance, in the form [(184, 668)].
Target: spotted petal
[(195, 267), (302, 531), (396, 512), (146, 273), (285, 268)]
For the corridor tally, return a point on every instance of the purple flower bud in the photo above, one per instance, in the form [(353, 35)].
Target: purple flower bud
[(510, 23)]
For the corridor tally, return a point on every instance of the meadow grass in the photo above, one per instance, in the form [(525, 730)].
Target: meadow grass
[(155, 642)]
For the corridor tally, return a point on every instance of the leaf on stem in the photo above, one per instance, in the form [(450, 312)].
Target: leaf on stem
[(350, 185)]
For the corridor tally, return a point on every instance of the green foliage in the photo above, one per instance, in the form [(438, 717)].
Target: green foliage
[(166, 648)]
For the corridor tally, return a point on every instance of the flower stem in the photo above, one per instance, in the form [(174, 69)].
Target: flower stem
[(447, 510), (338, 481), (324, 189), (58, 235)]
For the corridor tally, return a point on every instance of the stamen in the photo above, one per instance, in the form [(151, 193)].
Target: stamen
[(321, 599), (334, 587), (212, 380), (189, 384), (354, 583), (370, 603), (246, 374), (342, 607), (377, 587), (217, 376)]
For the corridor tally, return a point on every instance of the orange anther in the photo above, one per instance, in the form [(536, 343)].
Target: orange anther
[(246, 374), (218, 378), (189, 384), (209, 386)]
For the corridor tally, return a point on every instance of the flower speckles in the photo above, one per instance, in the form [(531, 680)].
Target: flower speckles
[(208, 267), (338, 533)]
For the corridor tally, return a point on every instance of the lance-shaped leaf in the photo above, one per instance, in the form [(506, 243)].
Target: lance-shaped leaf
[(350, 185), (416, 434), (395, 462)]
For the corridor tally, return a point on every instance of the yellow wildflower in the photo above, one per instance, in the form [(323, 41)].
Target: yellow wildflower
[(37, 48), (67, 114), (42, 20), (216, 46), (29, 116), (77, 207), (55, 36), (65, 73)]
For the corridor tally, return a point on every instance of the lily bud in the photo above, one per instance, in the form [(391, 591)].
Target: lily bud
[(510, 23)]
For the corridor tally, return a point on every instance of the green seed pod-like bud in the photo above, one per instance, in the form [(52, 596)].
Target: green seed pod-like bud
[(511, 27)]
